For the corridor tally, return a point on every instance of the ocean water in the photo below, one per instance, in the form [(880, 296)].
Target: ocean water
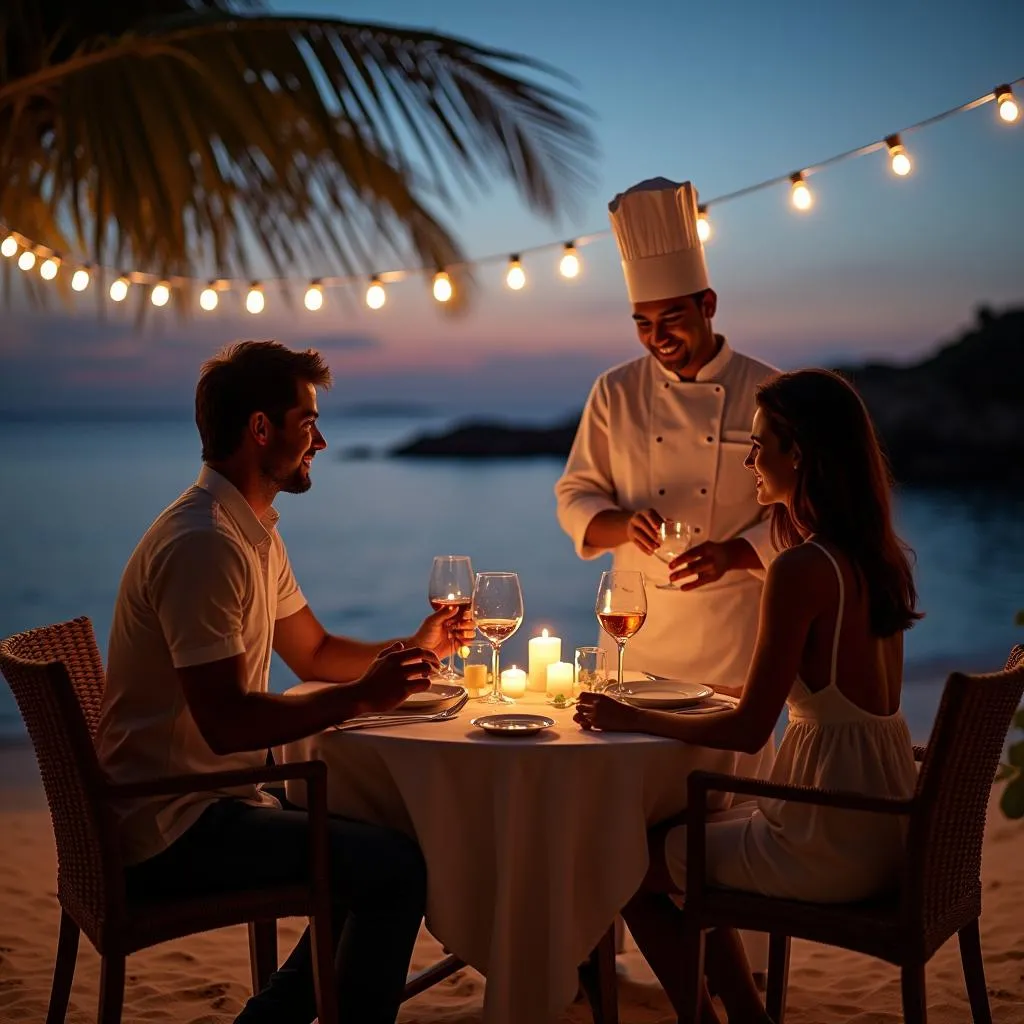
[(77, 496)]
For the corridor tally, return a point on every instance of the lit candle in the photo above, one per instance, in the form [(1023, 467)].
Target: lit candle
[(476, 677), (559, 679), (513, 682), (544, 650)]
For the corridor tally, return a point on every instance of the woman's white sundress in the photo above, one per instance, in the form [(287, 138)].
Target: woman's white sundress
[(803, 851)]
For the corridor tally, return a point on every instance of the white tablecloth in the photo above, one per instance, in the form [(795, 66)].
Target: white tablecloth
[(532, 844)]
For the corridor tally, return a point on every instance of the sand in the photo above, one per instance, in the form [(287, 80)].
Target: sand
[(205, 979)]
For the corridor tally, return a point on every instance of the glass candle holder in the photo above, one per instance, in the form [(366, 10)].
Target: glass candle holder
[(476, 667), (591, 673)]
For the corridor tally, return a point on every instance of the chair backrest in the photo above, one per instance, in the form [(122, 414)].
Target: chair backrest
[(56, 674), (953, 790)]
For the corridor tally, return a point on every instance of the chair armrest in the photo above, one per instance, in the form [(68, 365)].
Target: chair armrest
[(312, 771), (701, 782)]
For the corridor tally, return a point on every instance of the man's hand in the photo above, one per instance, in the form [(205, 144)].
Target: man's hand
[(599, 711), (642, 530), (710, 561), (395, 673), (445, 631)]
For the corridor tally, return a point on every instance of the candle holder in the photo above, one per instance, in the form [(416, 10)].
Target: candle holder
[(591, 670), (476, 666)]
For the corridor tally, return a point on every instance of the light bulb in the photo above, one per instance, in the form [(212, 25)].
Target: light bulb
[(9, 246), (48, 268), (161, 294), (314, 297), (254, 301), (442, 286), (703, 224), (375, 295), (27, 260), (1009, 111), (208, 298), (515, 277), (119, 289), (569, 265), (80, 280), (801, 194), (898, 159)]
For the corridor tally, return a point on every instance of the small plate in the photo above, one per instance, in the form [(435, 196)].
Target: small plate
[(434, 697), (513, 725), (667, 694)]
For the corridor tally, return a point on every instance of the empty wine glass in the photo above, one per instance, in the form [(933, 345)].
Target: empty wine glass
[(451, 586), (498, 613), (621, 608), (675, 537)]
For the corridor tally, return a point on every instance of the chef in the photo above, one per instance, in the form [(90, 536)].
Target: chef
[(664, 436)]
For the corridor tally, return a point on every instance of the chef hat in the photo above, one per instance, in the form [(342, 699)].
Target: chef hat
[(655, 227)]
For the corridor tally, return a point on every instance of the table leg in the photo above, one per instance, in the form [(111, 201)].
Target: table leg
[(600, 981)]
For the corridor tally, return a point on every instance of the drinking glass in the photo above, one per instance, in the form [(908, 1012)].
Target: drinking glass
[(451, 586), (477, 660), (675, 537), (621, 608), (498, 613), (591, 670)]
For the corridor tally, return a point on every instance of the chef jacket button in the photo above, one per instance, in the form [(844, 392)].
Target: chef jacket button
[(696, 529), (710, 439), (718, 389), (703, 490), (666, 383), (662, 491), (658, 439)]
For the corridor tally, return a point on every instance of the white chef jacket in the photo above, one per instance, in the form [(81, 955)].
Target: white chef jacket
[(648, 439)]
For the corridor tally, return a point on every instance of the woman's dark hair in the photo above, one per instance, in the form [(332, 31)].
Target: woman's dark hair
[(248, 377), (843, 487)]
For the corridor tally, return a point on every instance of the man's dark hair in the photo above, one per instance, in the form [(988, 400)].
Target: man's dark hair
[(248, 377)]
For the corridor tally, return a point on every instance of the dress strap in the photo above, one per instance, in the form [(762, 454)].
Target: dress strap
[(839, 614)]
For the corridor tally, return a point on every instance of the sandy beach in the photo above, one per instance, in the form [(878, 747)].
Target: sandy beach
[(205, 979)]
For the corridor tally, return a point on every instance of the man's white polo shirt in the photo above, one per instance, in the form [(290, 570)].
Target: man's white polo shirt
[(206, 582)]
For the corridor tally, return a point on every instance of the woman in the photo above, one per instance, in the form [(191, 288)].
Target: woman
[(830, 646)]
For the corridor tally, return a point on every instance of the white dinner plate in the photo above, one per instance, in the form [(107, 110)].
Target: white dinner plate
[(435, 697), (513, 724), (666, 694)]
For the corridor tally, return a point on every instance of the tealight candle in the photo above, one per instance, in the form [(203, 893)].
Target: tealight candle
[(544, 650), (513, 682), (559, 679)]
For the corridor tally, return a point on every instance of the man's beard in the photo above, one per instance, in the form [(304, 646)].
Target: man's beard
[(295, 481)]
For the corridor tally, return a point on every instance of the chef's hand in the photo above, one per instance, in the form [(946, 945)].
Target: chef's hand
[(710, 561), (598, 711), (642, 530)]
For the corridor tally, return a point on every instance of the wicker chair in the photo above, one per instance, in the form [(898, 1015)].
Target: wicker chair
[(940, 892), (56, 673)]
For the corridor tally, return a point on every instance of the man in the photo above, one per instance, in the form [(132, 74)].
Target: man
[(206, 597), (664, 437)]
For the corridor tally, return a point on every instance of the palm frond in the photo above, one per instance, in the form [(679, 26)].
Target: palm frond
[(192, 139)]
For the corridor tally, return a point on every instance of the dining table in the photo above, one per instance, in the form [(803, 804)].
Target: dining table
[(533, 842)]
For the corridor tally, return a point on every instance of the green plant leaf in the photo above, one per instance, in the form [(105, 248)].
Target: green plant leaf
[(1006, 771), (1016, 754), (1012, 800)]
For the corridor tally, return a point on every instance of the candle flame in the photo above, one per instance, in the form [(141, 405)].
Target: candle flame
[(543, 632)]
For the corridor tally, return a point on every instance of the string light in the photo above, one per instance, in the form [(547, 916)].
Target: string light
[(161, 294), (208, 298), (314, 297), (800, 194), (898, 159), (569, 265), (515, 278), (375, 294), (1007, 106), (703, 224), (442, 286), (254, 301)]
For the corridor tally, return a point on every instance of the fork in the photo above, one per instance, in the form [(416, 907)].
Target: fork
[(380, 721)]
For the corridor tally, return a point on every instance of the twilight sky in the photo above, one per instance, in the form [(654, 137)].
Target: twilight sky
[(727, 95)]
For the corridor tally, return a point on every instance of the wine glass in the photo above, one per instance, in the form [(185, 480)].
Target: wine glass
[(675, 537), (621, 608), (451, 586), (498, 613)]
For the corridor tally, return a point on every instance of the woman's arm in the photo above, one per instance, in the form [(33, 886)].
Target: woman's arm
[(791, 600)]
